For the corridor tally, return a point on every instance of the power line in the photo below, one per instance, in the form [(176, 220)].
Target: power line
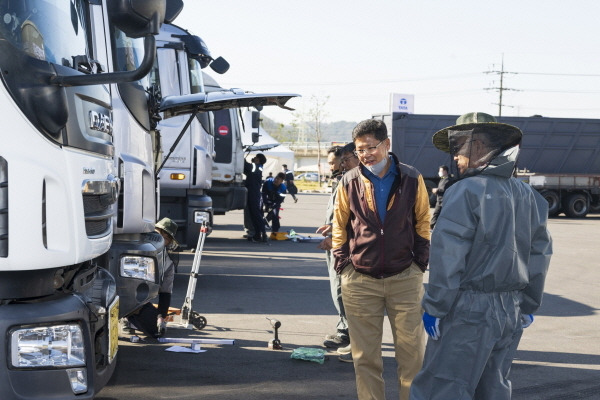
[(556, 74)]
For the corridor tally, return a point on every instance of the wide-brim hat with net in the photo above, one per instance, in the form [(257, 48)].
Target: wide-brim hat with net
[(169, 227), (511, 135)]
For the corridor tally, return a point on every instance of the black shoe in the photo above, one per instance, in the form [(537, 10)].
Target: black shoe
[(254, 239), (336, 342), (264, 238)]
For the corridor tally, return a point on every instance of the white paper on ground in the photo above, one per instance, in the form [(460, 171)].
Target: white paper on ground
[(181, 349)]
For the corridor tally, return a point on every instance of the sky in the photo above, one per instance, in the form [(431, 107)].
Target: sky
[(351, 55)]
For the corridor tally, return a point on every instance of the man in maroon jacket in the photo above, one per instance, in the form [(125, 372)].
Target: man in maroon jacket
[(381, 244)]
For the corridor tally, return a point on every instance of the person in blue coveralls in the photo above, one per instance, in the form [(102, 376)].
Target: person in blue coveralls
[(273, 194)]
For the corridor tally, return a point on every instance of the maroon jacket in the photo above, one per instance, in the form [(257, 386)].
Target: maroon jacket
[(376, 249)]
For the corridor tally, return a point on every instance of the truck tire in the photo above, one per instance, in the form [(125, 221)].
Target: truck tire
[(553, 200), (577, 205)]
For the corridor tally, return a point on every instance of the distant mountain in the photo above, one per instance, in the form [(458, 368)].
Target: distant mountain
[(339, 131)]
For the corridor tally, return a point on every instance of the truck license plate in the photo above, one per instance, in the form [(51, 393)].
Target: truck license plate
[(113, 330)]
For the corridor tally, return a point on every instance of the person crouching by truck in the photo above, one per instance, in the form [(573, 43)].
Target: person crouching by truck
[(150, 319), (273, 194), (167, 229)]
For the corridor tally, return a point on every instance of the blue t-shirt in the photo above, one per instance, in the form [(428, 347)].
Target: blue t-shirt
[(382, 187)]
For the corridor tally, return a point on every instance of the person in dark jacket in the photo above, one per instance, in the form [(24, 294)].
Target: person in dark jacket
[(340, 338), (253, 172), (381, 246), (289, 182), (443, 184)]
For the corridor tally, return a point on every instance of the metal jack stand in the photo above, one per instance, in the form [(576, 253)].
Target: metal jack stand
[(187, 318), (274, 344)]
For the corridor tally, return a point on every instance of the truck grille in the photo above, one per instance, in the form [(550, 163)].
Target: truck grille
[(98, 197), (97, 215), (3, 208)]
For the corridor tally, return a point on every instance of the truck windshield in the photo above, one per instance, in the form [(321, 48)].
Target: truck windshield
[(196, 83), (49, 30)]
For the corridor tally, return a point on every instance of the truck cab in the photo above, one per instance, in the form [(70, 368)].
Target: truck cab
[(59, 307), (187, 174)]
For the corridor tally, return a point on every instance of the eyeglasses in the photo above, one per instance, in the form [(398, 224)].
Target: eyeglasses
[(368, 150)]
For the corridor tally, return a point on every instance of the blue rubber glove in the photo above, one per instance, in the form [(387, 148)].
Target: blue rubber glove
[(526, 320), (432, 326)]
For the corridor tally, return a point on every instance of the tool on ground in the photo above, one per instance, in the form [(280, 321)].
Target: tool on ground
[(195, 344), (274, 344), (186, 317)]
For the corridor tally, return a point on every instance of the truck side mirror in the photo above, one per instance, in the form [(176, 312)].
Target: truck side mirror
[(220, 65), (255, 126), (255, 119), (174, 8), (137, 18)]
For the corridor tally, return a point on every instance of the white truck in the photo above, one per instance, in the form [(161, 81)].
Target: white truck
[(59, 306), (187, 174), (135, 258)]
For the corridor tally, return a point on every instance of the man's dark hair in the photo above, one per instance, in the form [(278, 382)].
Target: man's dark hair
[(284, 166), (445, 168), (373, 127), (280, 175), (349, 148), (261, 158), (336, 150)]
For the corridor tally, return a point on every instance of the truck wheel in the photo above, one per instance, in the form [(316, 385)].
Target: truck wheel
[(577, 206), (553, 202)]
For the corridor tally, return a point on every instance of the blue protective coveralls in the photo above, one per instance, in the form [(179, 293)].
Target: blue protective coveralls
[(489, 255), (272, 197)]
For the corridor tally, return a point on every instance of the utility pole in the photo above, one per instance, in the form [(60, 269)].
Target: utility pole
[(501, 88)]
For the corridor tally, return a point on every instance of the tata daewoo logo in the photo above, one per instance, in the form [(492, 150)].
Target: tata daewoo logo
[(100, 122)]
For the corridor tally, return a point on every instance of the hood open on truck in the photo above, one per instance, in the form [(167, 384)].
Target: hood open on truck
[(173, 106)]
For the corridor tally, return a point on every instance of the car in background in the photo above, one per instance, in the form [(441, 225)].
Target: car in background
[(308, 176)]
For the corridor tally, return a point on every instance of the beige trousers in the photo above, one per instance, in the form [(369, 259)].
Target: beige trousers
[(366, 299)]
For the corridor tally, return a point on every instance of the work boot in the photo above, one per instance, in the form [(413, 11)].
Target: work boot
[(336, 342), (344, 350)]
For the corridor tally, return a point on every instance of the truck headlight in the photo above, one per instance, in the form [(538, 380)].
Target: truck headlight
[(48, 346), (138, 267), (201, 216)]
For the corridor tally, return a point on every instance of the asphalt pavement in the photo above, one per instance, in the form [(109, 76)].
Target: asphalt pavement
[(243, 283)]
